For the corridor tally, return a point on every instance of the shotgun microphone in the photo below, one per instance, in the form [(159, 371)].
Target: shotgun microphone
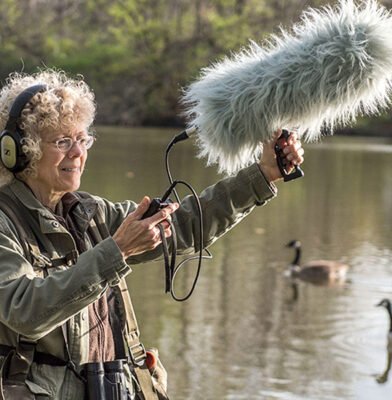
[(334, 65)]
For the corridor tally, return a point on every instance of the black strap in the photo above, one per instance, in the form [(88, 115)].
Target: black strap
[(39, 357), (170, 263)]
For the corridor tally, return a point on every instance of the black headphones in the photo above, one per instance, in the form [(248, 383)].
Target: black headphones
[(11, 153)]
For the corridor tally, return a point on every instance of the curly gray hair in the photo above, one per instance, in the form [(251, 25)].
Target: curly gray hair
[(66, 102)]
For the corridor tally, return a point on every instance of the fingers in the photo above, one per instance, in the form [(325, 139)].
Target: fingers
[(166, 230), (136, 235), (154, 238), (157, 217), (292, 154), (277, 138), (163, 214), (142, 207), (162, 217), (293, 150)]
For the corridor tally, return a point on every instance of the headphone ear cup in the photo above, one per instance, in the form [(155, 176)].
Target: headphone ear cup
[(11, 153)]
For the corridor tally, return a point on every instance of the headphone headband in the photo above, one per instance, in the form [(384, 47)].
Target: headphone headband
[(20, 102)]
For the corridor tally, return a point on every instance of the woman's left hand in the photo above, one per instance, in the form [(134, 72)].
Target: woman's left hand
[(137, 235), (292, 149)]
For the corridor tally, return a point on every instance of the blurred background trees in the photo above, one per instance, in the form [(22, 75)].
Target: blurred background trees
[(136, 54)]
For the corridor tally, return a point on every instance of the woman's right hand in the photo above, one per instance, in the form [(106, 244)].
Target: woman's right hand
[(293, 152), (136, 235)]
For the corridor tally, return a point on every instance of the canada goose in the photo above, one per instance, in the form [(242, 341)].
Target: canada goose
[(386, 303), (318, 272)]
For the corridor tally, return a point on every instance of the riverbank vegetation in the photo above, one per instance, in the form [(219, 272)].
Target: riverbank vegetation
[(136, 54)]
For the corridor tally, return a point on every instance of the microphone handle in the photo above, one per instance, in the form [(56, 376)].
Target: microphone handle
[(280, 159), (155, 206)]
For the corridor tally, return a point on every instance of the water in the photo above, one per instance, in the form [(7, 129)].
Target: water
[(242, 335)]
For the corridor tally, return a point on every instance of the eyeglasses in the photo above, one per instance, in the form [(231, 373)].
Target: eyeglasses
[(65, 144)]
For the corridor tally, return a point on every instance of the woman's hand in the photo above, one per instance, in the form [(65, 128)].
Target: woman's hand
[(292, 149), (136, 235)]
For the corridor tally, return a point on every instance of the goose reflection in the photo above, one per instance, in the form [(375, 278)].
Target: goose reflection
[(292, 292), (386, 303)]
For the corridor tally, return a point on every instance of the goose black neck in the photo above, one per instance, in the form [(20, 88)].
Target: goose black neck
[(297, 256)]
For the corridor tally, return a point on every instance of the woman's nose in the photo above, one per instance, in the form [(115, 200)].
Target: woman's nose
[(76, 150)]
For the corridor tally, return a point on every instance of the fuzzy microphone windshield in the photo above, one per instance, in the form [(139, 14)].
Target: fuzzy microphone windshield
[(335, 65)]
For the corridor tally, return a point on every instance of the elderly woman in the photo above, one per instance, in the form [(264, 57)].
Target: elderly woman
[(65, 314)]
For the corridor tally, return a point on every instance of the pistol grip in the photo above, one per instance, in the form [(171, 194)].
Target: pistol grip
[(154, 207), (297, 172)]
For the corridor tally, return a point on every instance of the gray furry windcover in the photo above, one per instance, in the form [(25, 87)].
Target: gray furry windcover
[(336, 64)]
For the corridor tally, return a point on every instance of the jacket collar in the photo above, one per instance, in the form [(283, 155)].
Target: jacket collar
[(82, 209)]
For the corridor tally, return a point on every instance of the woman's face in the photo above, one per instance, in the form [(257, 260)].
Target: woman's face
[(58, 172)]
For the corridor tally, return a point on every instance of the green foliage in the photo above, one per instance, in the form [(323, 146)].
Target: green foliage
[(136, 54)]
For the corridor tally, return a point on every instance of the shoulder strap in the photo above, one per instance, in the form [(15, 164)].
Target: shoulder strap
[(21, 358), (25, 238), (136, 350)]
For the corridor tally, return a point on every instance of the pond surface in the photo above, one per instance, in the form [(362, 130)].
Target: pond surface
[(243, 334)]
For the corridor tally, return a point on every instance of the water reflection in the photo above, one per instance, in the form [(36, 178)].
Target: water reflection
[(384, 376), (239, 337), (386, 303)]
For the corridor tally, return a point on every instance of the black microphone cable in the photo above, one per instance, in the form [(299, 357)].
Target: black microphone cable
[(184, 135), (170, 267)]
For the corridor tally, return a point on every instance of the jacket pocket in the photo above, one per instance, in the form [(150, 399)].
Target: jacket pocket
[(12, 389), (22, 391)]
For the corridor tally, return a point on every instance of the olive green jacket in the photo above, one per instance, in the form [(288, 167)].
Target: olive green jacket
[(36, 306)]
